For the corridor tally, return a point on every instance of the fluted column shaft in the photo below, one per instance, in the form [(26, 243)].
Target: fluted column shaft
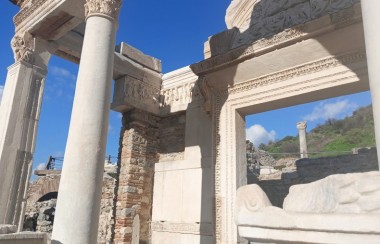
[(78, 205)]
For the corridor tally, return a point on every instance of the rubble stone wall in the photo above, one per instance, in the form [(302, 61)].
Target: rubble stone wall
[(277, 186), (39, 215), (107, 205)]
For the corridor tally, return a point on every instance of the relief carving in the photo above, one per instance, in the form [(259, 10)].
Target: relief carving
[(110, 8), (180, 95), (21, 50), (28, 7), (262, 19), (140, 92)]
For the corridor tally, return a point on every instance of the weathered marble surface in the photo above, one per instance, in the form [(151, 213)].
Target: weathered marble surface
[(346, 193), (337, 209)]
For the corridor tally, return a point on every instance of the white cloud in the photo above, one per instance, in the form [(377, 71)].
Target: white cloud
[(257, 134), (324, 111), (41, 166), (62, 73)]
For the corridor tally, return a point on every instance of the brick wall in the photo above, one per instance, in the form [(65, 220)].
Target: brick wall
[(137, 155)]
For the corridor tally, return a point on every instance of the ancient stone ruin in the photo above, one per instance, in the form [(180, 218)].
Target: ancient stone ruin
[(182, 155)]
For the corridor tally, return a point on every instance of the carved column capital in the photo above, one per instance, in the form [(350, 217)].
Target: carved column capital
[(22, 49), (110, 8), (301, 125)]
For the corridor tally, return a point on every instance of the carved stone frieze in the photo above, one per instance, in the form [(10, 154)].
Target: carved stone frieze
[(250, 48), (182, 94), (136, 90), (130, 92), (253, 20), (28, 7), (266, 16), (21, 49), (110, 8)]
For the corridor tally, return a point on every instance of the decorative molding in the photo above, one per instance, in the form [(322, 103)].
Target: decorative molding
[(110, 8), (218, 100), (28, 7), (21, 49), (183, 228), (305, 69), (248, 47)]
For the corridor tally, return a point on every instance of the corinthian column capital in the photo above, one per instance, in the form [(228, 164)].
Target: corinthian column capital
[(22, 49), (110, 8)]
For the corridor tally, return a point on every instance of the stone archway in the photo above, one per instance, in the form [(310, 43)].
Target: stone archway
[(43, 186)]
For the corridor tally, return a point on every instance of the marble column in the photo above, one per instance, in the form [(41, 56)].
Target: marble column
[(371, 18), (301, 126), (19, 115), (78, 205)]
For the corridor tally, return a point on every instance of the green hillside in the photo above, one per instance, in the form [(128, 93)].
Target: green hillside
[(334, 137)]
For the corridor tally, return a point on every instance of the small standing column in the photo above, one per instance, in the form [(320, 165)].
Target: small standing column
[(371, 18), (78, 205), (301, 126), (19, 115)]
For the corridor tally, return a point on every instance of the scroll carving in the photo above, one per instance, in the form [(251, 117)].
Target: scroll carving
[(21, 50), (110, 8)]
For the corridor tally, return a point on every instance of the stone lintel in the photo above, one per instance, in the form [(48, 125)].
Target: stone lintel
[(139, 57), (137, 81), (232, 46)]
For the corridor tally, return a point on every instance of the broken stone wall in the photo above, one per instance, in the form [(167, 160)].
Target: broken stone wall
[(277, 186), (107, 204), (39, 215)]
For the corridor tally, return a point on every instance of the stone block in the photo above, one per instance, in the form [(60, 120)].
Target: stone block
[(139, 57), (7, 229), (24, 238)]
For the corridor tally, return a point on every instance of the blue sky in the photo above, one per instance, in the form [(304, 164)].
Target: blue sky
[(173, 31)]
